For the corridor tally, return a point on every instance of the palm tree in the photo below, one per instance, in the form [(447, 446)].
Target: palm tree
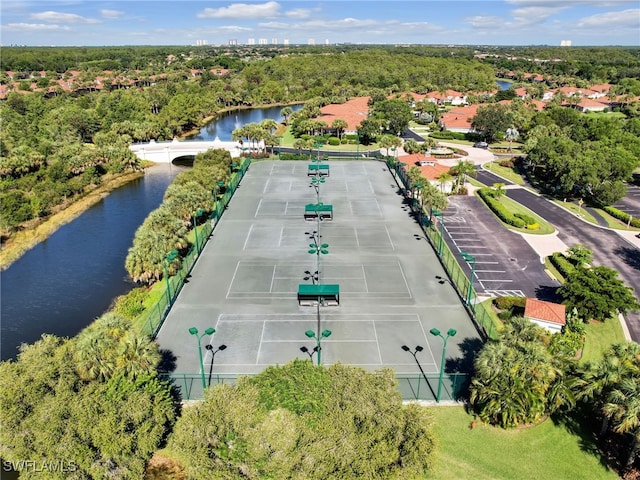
[(623, 409), (461, 169), (511, 135), (499, 189), (339, 125), (444, 178), (285, 113)]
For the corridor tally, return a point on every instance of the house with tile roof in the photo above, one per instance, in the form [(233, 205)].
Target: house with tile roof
[(430, 169), (448, 96), (352, 111), (459, 119), (550, 316)]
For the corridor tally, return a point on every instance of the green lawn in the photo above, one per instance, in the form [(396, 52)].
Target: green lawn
[(599, 337), (546, 451), (505, 172)]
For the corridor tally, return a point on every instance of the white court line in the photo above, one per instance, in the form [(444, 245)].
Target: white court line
[(244, 247), (355, 230), (375, 334), (233, 279), (273, 276), (261, 340), (405, 281), (255, 215), (280, 239), (393, 247), (364, 277), (266, 186)]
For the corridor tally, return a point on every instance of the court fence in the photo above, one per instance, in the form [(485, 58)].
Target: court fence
[(412, 387), (154, 316), (478, 311)]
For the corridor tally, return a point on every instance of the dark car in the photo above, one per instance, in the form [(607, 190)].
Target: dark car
[(481, 145)]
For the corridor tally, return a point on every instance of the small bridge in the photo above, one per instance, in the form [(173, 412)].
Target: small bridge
[(167, 152)]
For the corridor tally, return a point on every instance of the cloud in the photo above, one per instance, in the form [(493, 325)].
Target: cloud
[(484, 21), (111, 14), (299, 13), (20, 27), (534, 14), (569, 3), (59, 17), (242, 11), (621, 19)]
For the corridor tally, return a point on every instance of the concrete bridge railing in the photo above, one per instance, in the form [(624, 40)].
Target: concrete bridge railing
[(167, 152)]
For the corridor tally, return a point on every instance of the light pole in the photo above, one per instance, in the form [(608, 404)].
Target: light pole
[(436, 333), (194, 331), (439, 214), (171, 256), (309, 352), (316, 248), (325, 334), (209, 347), (471, 260), (196, 215), (315, 183)]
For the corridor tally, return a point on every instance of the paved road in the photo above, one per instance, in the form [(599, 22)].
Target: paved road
[(608, 247), (631, 201)]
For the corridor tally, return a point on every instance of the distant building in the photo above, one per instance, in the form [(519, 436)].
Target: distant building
[(311, 41), (251, 41), (200, 43), (233, 42), (565, 43), (286, 41), (274, 41)]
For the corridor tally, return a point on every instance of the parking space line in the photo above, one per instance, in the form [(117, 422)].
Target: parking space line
[(490, 271), (489, 280)]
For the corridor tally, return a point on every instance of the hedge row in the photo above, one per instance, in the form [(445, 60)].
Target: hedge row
[(562, 264), (487, 194), (622, 216)]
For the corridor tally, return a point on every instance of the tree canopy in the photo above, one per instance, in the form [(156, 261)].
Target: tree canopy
[(307, 422)]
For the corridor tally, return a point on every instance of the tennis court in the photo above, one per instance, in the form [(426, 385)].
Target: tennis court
[(246, 280)]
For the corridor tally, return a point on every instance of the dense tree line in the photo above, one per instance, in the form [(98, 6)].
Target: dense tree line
[(166, 228), (93, 402), (302, 421)]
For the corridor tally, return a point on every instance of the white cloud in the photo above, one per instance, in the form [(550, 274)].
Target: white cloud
[(20, 27), (111, 14), (484, 21), (59, 17), (242, 10), (299, 13), (623, 18), (569, 3), (533, 15), (233, 29)]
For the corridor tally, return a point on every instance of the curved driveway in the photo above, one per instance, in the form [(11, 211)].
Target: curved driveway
[(609, 247)]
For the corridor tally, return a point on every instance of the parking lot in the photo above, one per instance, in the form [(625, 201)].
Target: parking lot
[(246, 280), (630, 203), (505, 264)]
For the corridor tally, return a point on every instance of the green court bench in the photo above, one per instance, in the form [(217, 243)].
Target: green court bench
[(321, 170), (324, 294), (313, 211)]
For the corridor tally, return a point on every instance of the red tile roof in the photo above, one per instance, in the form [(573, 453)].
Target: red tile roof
[(545, 311), (431, 171), (353, 112)]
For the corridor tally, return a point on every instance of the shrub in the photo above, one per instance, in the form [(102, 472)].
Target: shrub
[(334, 141), (562, 264), (488, 195), (507, 163), (533, 226), (622, 216), (527, 218), (505, 303), (131, 305)]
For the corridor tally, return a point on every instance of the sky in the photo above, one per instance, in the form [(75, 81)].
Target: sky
[(186, 22)]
